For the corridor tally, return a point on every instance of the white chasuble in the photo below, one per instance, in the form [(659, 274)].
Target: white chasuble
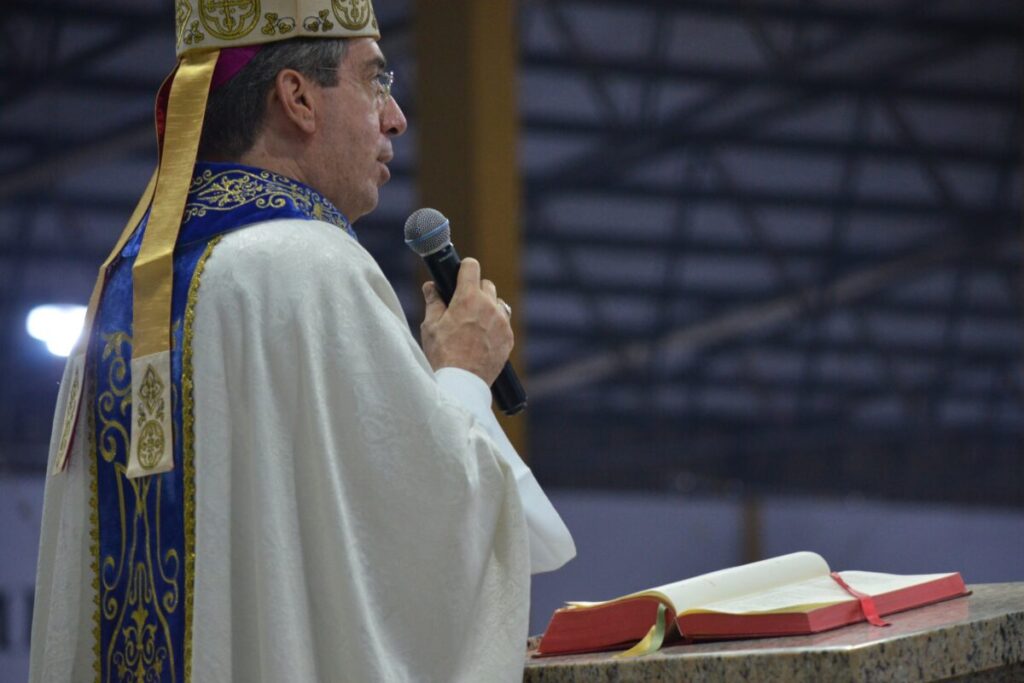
[(357, 518), (353, 521)]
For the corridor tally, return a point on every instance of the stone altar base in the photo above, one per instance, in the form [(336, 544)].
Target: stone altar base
[(975, 638)]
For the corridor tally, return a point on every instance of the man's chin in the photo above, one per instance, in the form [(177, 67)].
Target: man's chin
[(366, 207)]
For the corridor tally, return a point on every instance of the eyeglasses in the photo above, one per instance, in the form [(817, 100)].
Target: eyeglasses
[(382, 83)]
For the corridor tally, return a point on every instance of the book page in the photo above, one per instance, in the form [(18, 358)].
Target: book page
[(810, 594), (735, 582)]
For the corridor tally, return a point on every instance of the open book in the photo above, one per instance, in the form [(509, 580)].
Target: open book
[(788, 595)]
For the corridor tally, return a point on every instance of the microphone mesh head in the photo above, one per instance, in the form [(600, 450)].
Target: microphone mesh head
[(427, 231)]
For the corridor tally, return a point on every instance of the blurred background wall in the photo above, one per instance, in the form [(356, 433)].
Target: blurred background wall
[(770, 268)]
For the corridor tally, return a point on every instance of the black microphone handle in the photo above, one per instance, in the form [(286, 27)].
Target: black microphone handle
[(507, 390)]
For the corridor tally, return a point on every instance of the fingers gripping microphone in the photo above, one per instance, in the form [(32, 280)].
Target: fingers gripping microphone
[(428, 234)]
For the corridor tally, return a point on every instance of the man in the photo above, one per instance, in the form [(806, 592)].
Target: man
[(335, 504)]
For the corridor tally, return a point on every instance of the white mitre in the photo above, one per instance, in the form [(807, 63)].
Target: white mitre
[(232, 23)]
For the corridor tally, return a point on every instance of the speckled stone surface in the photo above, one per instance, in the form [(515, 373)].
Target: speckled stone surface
[(976, 638)]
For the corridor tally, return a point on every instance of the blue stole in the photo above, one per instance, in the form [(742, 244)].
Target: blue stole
[(142, 537)]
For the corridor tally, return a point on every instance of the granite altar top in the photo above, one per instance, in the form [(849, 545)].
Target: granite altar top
[(982, 632)]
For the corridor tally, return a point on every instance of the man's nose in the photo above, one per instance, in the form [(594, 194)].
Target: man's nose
[(392, 120)]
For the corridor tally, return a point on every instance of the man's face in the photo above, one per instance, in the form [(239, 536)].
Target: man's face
[(358, 124)]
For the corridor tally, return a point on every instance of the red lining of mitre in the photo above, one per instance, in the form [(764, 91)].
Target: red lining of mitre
[(230, 61)]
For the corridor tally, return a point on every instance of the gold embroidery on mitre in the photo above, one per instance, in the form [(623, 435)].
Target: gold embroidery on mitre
[(194, 35), (319, 22), (352, 14), (201, 24), (182, 13), (152, 438), (229, 19), (277, 24)]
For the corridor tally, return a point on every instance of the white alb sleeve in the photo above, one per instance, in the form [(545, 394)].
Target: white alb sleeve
[(551, 544)]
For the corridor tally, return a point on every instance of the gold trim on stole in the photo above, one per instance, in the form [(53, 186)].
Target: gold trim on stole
[(94, 523), (188, 473)]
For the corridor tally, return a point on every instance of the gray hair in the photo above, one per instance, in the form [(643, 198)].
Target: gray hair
[(235, 111)]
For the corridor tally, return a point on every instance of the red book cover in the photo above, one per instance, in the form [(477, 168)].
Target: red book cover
[(789, 595), (707, 625), (606, 626)]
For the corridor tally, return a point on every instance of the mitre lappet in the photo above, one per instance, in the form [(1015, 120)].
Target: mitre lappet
[(215, 39)]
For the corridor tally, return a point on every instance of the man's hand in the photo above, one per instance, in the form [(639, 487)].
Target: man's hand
[(473, 332)]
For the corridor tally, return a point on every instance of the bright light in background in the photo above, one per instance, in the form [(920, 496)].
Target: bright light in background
[(57, 325)]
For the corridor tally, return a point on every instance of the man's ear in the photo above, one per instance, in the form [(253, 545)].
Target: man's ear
[(293, 94)]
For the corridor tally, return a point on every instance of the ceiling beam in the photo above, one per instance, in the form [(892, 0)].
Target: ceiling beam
[(907, 351), (774, 80), (743, 321), (635, 240), (140, 15), (886, 16), (559, 127), (696, 296), (779, 199), (783, 393), (614, 157)]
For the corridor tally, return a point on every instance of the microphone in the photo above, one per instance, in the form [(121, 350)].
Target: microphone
[(428, 234)]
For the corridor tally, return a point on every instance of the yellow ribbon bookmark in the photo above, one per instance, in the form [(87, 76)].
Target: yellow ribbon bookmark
[(652, 641)]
